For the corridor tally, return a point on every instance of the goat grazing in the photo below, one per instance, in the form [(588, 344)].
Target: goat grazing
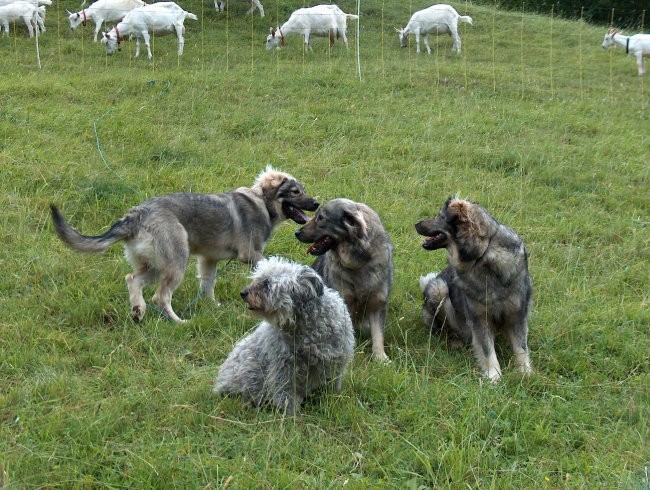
[(35, 3), (158, 19), (220, 5), (437, 19), (321, 21), (102, 11), (637, 45), (19, 11)]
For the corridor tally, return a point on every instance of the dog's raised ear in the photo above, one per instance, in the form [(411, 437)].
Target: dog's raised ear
[(460, 209), (270, 180), (355, 224), (469, 215)]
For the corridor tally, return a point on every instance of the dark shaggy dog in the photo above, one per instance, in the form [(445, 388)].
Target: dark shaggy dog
[(486, 287), (160, 234), (355, 257)]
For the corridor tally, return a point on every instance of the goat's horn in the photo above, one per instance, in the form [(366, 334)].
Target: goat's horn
[(69, 13)]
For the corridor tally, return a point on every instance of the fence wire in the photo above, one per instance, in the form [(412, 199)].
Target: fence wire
[(224, 32)]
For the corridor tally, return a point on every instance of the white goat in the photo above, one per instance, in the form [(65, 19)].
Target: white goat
[(321, 21), (35, 3), (637, 45), (437, 19), (16, 12), (102, 11), (158, 19), (220, 5), (40, 18)]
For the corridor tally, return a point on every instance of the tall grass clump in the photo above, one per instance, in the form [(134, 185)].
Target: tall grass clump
[(534, 121)]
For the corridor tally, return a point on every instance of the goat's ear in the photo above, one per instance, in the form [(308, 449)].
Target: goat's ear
[(272, 31)]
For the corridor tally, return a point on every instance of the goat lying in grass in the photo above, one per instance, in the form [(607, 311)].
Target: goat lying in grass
[(637, 45), (321, 20), (102, 11), (437, 19)]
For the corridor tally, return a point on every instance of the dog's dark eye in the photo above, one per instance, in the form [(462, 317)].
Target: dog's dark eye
[(295, 192)]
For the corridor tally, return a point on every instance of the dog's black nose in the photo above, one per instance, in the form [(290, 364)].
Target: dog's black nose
[(244, 293)]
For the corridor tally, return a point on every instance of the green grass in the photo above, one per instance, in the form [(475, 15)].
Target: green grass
[(551, 138)]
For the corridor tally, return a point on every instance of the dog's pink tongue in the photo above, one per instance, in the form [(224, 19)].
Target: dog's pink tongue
[(320, 246)]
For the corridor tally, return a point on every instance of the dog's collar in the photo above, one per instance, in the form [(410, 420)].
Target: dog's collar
[(627, 45), (83, 22)]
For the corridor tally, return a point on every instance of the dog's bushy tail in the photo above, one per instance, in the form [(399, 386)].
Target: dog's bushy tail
[(82, 243), (425, 280)]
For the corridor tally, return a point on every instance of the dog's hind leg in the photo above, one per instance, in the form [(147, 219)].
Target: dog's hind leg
[(207, 274), (135, 282), (169, 280), (172, 253)]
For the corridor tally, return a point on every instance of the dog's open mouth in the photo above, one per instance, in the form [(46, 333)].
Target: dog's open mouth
[(321, 245), (435, 241), (294, 213)]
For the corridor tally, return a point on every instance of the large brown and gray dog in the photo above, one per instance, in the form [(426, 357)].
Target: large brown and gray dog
[(160, 234), (355, 257), (486, 287)]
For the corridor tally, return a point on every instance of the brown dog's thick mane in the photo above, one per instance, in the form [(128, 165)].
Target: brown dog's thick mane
[(268, 179), (470, 216)]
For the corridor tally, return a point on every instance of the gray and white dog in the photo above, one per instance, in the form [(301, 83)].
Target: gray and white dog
[(355, 257), (304, 343), (160, 234), (486, 287)]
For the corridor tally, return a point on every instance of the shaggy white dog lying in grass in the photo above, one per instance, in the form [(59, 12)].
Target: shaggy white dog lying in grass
[(305, 342)]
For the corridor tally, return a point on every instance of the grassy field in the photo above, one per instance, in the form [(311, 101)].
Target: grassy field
[(534, 121)]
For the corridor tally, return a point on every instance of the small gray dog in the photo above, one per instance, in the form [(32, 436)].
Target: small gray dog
[(355, 257), (485, 289), (160, 234), (305, 342)]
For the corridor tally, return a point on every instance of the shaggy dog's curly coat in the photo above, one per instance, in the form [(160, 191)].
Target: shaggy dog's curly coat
[(304, 343)]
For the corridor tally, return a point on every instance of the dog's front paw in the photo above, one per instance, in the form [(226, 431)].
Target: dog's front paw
[(137, 313), (493, 375), (381, 358), (526, 369)]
